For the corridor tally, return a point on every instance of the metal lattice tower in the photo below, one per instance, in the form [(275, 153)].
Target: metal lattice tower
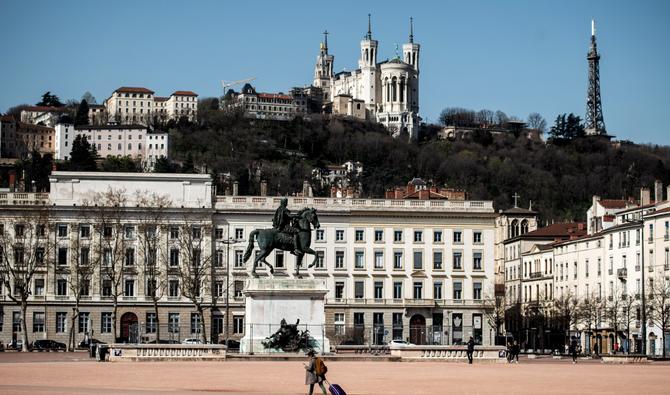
[(595, 125)]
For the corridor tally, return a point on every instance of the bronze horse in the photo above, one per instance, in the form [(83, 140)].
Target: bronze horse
[(269, 239)]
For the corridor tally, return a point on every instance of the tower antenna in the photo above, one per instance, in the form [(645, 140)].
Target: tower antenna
[(411, 29), (595, 124)]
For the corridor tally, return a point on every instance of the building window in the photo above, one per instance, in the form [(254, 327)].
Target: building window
[(437, 260), (129, 288), (218, 289), (85, 231), (107, 231), (477, 291), (195, 323), (477, 237), (239, 287), (339, 259), (129, 232), (359, 289), (339, 290), (238, 325), (130, 257), (437, 290), (39, 287), (458, 236), (62, 230), (379, 259), (62, 256), (359, 260), (458, 290), (279, 260), (418, 290), (16, 321), (477, 261), (61, 287), (61, 322), (339, 323), (397, 260), (106, 287), (239, 259), (83, 322), (38, 321), (458, 265), (379, 235), (217, 324), (339, 235), (173, 322), (106, 322), (379, 290), (320, 260), (196, 232), (418, 236), (397, 290), (239, 234), (173, 288), (397, 236), (320, 235), (174, 232), (360, 235), (218, 258), (418, 260), (437, 236)]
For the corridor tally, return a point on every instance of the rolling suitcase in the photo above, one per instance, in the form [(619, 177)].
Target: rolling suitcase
[(335, 389)]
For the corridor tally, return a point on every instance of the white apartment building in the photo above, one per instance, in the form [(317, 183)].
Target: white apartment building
[(416, 270), (44, 115), (134, 141)]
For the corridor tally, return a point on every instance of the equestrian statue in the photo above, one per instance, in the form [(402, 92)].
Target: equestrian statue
[(290, 232)]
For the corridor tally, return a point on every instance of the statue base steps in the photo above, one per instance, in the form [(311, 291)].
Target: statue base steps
[(269, 300)]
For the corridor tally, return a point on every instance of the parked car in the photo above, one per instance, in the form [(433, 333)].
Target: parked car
[(86, 343), (192, 340), (47, 345), (233, 345), (399, 343), (15, 345)]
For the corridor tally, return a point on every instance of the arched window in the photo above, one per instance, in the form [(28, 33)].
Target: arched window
[(394, 89), (402, 89), (524, 227), (515, 228), (366, 55), (372, 56)]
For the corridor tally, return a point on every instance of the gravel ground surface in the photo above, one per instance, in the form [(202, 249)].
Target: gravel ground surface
[(74, 373)]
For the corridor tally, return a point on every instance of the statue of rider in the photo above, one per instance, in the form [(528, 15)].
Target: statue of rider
[(282, 222)]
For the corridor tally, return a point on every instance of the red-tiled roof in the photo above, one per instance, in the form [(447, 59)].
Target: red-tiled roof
[(23, 125), (563, 229), (132, 89), (45, 109), (613, 203), (184, 93), (6, 118), (160, 98)]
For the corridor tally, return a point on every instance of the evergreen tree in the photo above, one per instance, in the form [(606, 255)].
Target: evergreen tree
[(83, 155), (82, 114), (163, 165), (50, 100)]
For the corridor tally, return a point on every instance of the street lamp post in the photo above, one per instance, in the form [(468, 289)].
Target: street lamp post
[(227, 242)]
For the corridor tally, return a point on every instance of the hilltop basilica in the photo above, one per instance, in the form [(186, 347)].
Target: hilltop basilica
[(386, 91)]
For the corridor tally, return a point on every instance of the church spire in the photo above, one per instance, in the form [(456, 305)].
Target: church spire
[(411, 30), (325, 41), (369, 35)]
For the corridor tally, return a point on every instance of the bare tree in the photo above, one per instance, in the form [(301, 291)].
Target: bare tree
[(614, 311), (195, 268), (629, 307), (565, 310), (153, 226), (25, 245), (494, 308), (80, 273), (536, 121), (106, 212), (589, 312), (659, 307)]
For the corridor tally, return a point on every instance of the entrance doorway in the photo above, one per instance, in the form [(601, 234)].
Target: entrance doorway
[(128, 327), (417, 329)]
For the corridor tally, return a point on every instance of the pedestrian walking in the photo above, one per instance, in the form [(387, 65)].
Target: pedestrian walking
[(573, 350), (471, 349), (516, 350), (510, 352), (315, 373)]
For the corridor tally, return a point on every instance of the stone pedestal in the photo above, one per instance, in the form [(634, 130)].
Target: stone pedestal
[(269, 300)]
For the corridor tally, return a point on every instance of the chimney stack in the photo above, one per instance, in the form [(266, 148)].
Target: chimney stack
[(645, 196), (264, 188), (658, 191), (236, 188)]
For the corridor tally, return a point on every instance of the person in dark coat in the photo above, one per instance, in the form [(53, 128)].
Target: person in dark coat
[(573, 350), (311, 377), (471, 349)]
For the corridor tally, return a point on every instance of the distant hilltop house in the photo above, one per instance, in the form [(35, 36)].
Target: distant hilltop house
[(18, 139), (275, 106), (342, 179), (42, 115), (421, 190), (137, 105)]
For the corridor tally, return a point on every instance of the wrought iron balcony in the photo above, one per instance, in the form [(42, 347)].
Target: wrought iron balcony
[(535, 274), (622, 273)]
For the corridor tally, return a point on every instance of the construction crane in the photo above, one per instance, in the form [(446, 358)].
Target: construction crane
[(228, 84)]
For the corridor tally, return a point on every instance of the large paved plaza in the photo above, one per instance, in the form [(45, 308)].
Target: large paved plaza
[(51, 373)]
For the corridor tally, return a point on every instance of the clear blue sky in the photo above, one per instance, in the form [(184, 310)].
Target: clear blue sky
[(515, 56)]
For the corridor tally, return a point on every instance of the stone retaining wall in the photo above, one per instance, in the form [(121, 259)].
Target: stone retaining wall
[(167, 352), (448, 353)]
